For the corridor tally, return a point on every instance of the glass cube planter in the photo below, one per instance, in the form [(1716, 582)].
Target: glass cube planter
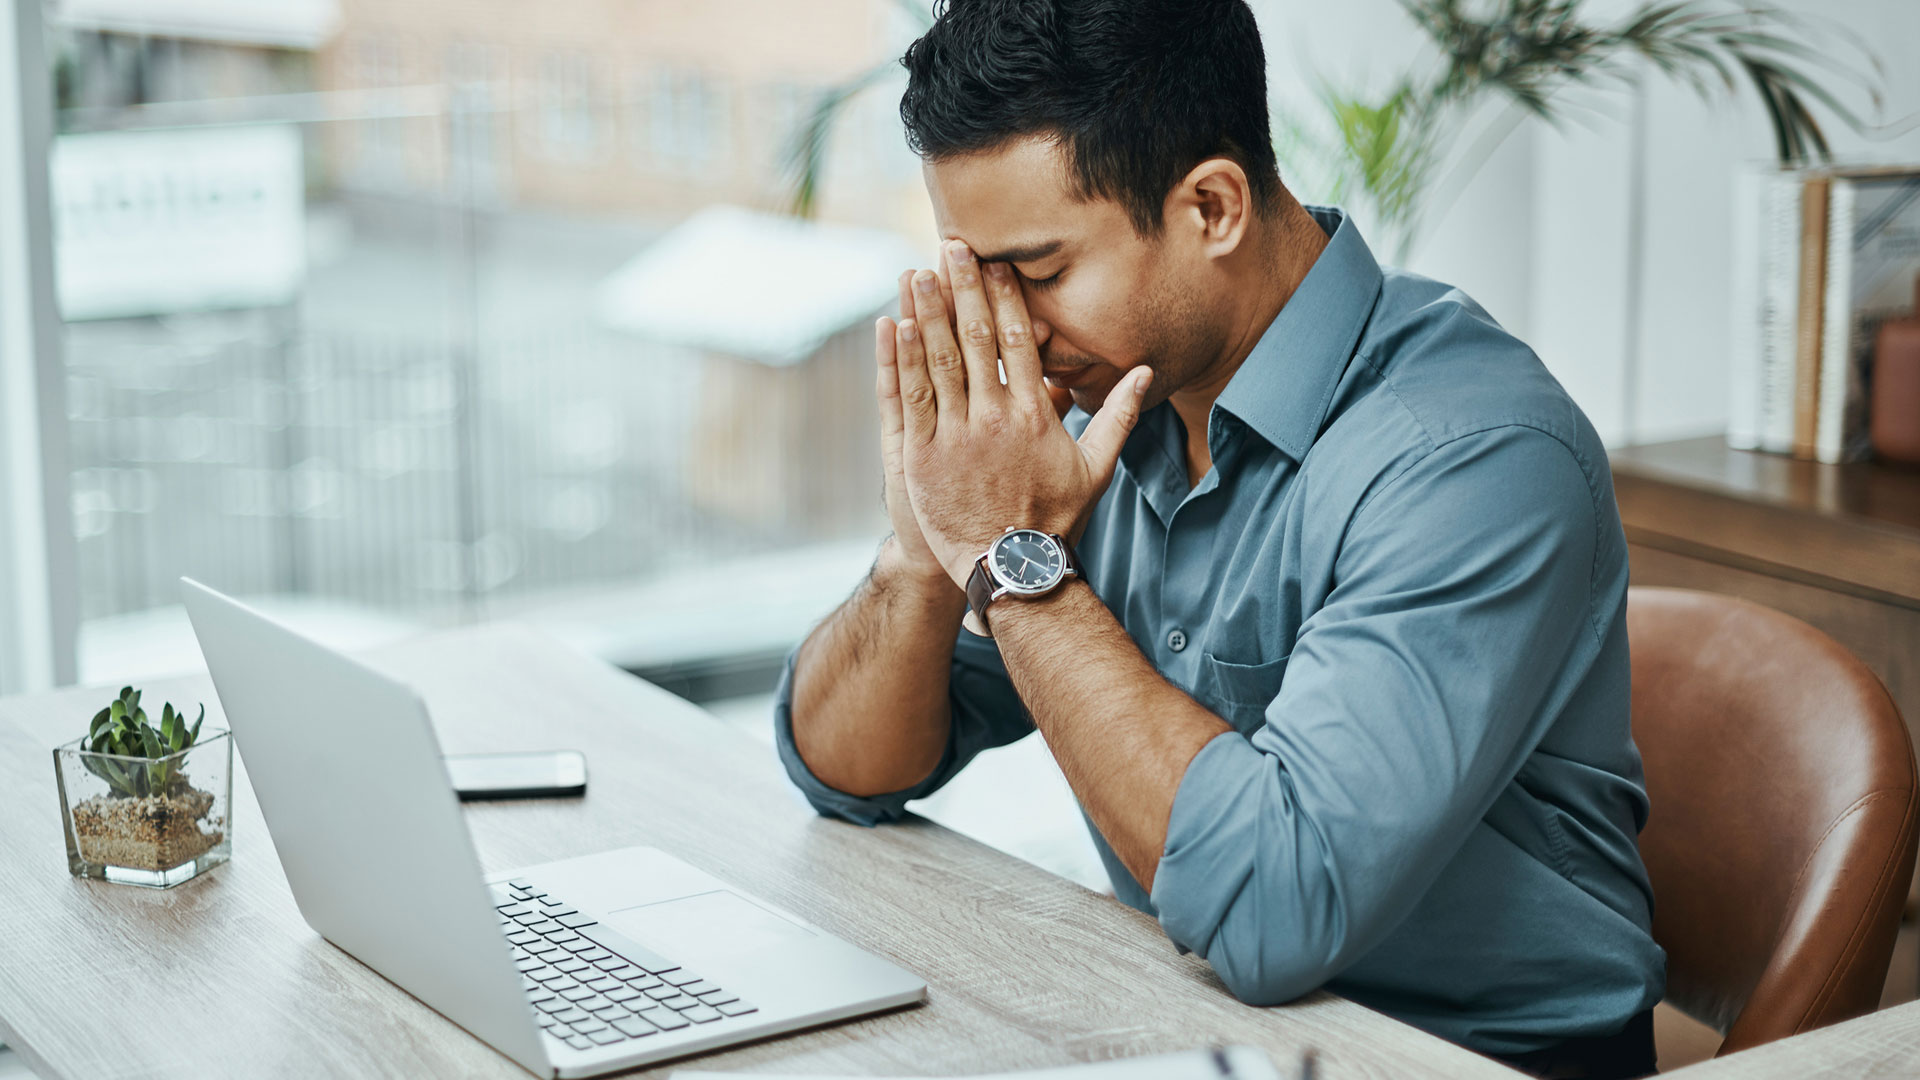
[(147, 821)]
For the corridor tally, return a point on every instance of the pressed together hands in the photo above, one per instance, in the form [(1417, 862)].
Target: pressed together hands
[(967, 456)]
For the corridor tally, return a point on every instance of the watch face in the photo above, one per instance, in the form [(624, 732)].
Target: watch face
[(1028, 561)]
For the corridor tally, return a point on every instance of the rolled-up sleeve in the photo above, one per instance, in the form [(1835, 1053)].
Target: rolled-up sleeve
[(986, 713), (1411, 698)]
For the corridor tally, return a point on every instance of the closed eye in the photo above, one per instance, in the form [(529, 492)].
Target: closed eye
[(1047, 282)]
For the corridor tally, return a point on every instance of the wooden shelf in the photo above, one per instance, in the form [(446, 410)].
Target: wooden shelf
[(1853, 529)]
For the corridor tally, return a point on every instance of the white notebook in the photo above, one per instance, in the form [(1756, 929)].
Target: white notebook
[(1229, 1063)]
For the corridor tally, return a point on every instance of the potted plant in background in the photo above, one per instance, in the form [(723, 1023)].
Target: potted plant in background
[(145, 804), (1410, 151)]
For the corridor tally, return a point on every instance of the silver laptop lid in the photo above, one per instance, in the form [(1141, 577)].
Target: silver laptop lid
[(349, 777)]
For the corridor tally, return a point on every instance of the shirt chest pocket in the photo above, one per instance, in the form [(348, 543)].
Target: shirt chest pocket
[(1240, 693)]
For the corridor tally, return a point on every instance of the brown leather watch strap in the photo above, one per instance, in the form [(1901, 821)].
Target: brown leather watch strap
[(1073, 558), (980, 590)]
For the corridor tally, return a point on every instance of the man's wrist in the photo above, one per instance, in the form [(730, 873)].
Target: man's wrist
[(924, 586), (1016, 613)]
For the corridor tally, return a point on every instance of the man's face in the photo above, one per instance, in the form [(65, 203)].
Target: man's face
[(1102, 297)]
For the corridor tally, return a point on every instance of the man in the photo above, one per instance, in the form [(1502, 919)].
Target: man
[(1341, 683)]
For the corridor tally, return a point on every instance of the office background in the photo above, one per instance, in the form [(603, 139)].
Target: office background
[(435, 382)]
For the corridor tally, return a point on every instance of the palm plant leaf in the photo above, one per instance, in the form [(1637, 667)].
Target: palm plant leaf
[(1391, 160), (1530, 51), (805, 158)]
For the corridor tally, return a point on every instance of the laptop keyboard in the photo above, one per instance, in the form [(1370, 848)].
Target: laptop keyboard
[(592, 986)]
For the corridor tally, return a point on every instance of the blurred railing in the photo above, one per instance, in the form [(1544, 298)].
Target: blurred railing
[(331, 464)]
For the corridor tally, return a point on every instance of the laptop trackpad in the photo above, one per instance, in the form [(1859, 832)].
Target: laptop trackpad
[(715, 927)]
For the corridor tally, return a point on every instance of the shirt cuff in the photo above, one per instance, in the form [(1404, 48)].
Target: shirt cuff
[(1207, 862)]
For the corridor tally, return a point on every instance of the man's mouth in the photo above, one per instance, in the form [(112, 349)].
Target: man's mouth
[(1067, 377)]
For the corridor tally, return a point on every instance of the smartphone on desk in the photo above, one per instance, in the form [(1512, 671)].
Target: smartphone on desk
[(540, 774)]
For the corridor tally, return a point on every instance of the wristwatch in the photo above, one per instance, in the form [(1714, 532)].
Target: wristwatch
[(1020, 562)]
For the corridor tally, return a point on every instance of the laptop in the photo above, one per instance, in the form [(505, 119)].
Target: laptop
[(572, 968)]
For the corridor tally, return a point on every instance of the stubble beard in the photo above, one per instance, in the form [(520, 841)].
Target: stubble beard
[(1180, 348)]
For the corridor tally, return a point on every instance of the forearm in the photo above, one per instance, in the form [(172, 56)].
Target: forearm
[(870, 707), (1122, 734)]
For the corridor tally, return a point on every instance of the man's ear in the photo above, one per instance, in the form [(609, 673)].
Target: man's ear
[(1213, 204)]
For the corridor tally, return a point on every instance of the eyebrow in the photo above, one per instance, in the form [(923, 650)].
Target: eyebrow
[(1030, 253)]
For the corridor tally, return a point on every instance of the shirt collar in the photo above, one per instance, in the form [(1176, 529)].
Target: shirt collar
[(1285, 385), (1155, 456)]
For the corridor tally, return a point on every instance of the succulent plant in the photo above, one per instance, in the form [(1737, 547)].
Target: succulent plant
[(122, 729)]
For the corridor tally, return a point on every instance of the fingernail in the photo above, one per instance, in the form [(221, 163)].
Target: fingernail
[(908, 330), (998, 271), (1140, 384), (959, 252), (924, 280)]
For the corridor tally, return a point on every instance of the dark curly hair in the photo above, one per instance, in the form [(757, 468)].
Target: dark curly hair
[(1137, 91)]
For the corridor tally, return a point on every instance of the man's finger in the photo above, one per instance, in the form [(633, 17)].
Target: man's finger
[(887, 385), (946, 283), (945, 369), (973, 325), (906, 292), (1108, 431), (1017, 350), (918, 407)]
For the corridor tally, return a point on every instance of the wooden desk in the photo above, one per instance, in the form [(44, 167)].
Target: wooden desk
[(221, 977), (1880, 1046)]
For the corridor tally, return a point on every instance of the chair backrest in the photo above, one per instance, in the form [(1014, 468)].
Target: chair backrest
[(1781, 840)]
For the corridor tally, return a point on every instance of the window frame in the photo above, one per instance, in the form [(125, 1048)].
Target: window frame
[(39, 595)]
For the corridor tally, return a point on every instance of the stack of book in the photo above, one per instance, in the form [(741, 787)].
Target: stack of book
[(1820, 258)]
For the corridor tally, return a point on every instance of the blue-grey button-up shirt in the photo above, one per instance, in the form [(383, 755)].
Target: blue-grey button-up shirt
[(1403, 584)]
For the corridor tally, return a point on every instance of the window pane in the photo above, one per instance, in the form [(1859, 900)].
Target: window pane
[(393, 318)]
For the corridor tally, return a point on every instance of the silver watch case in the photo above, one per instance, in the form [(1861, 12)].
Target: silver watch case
[(1004, 584)]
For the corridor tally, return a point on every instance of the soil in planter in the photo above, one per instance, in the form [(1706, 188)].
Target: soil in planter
[(155, 832)]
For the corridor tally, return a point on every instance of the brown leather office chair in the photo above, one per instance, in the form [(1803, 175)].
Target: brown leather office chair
[(1781, 839)]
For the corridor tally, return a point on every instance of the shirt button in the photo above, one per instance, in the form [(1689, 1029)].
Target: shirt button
[(1176, 639)]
